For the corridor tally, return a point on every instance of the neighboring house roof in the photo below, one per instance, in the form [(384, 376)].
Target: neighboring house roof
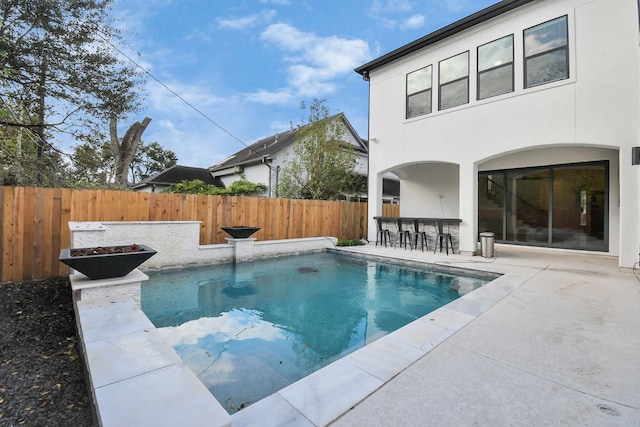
[(176, 174), (264, 148), (458, 26)]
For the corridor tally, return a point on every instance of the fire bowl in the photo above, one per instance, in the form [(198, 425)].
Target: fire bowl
[(106, 262), (240, 231)]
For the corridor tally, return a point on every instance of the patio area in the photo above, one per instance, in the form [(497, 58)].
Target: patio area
[(561, 349)]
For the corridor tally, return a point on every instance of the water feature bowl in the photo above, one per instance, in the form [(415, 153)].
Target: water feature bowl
[(106, 262), (240, 231)]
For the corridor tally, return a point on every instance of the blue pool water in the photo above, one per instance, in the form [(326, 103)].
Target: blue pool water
[(249, 330)]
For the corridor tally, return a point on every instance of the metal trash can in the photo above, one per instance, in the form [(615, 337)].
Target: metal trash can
[(487, 241)]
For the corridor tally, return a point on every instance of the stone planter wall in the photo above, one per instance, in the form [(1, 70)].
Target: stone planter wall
[(177, 243)]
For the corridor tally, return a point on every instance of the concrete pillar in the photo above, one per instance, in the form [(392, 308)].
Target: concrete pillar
[(129, 286), (242, 249), (374, 204), (468, 203), (629, 200)]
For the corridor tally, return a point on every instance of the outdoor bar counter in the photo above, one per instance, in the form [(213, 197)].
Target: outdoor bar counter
[(409, 231)]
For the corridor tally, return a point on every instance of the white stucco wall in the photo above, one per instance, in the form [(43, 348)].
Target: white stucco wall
[(593, 115)]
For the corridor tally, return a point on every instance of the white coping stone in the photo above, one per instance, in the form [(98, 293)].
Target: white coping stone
[(272, 411), (115, 359), (122, 317), (385, 358), (326, 394), (135, 376), (171, 396), (422, 335)]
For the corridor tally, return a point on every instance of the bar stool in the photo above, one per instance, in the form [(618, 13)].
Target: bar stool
[(383, 233), (404, 235), (419, 235), (441, 235)]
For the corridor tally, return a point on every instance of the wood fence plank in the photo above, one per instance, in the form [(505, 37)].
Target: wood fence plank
[(8, 250), (39, 233), (65, 233), (17, 229), (35, 221), (47, 231), (27, 233), (142, 207), (56, 234)]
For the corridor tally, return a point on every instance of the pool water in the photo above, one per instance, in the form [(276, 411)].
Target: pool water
[(249, 330)]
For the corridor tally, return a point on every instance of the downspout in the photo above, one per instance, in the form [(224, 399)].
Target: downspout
[(365, 77), (267, 161)]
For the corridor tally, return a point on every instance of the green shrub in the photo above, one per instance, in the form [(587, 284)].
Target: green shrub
[(353, 242), (196, 186)]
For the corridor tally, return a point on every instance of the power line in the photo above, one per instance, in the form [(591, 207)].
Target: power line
[(147, 72)]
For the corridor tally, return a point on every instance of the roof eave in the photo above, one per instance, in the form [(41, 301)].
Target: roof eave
[(441, 34)]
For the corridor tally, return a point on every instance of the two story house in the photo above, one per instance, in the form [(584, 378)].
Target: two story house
[(262, 161), (521, 119)]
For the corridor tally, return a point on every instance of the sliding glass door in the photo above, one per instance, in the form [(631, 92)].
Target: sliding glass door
[(562, 206)]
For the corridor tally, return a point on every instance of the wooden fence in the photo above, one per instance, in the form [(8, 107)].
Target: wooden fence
[(35, 220)]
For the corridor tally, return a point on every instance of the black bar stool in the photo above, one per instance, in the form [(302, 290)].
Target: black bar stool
[(383, 233), (419, 235), (404, 235), (443, 236)]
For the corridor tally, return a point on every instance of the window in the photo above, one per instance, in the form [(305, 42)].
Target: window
[(419, 92), (454, 81), (495, 67), (546, 56)]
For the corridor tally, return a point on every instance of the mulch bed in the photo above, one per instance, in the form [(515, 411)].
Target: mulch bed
[(42, 380)]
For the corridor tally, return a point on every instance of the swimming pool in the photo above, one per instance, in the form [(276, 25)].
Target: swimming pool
[(251, 329)]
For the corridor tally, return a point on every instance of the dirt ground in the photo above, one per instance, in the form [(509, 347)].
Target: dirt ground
[(42, 380)]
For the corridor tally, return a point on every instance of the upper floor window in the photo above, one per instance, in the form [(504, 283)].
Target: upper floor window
[(454, 81), (495, 67), (546, 56), (419, 92)]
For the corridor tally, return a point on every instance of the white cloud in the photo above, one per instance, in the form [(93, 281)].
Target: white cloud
[(244, 22), (239, 23), (196, 94), (277, 97), (459, 5), (315, 62), (413, 22), (392, 13), (394, 6), (278, 2)]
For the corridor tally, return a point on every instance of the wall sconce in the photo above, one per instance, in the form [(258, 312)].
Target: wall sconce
[(374, 139)]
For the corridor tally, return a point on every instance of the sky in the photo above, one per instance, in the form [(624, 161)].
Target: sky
[(224, 74)]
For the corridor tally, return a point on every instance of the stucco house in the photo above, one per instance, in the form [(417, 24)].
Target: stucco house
[(174, 175), (262, 161), (521, 119)]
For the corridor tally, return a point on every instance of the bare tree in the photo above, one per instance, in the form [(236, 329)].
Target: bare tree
[(124, 150), (61, 75)]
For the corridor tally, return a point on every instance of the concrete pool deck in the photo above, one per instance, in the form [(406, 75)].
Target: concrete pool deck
[(561, 349), (554, 341)]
